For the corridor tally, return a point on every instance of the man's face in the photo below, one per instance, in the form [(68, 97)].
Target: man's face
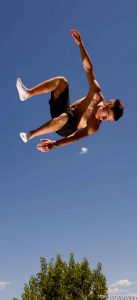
[(104, 114)]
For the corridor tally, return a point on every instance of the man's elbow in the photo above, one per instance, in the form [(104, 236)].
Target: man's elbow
[(89, 69)]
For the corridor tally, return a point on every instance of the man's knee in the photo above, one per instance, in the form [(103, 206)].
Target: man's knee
[(61, 120), (61, 86), (62, 82)]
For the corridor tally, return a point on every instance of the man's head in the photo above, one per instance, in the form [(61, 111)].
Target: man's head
[(110, 110)]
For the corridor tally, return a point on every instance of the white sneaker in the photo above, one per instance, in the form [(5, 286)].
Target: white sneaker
[(25, 136), (22, 90)]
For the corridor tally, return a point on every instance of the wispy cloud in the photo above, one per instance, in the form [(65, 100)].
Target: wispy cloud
[(113, 290), (4, 284), (122, 283), (83, 150), (119, 286)]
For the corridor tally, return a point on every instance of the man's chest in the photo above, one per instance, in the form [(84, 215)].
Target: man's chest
[(87, 119)]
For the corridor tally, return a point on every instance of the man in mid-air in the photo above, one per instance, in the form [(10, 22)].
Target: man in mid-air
[(71, 121)]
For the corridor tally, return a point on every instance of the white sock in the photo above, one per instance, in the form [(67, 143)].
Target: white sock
[(22, 90), (25, 136)]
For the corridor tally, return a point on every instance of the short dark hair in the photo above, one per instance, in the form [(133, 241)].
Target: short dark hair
[(117, 108)]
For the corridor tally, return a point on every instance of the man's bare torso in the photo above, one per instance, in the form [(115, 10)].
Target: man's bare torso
[(85, 110)]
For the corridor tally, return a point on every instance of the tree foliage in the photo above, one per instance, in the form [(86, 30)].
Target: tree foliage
[(58, 280)]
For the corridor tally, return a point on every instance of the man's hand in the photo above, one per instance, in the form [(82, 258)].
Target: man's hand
[(76, 36), (45, 145)]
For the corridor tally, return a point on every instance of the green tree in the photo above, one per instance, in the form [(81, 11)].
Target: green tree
[(99, 288), (58, 280)]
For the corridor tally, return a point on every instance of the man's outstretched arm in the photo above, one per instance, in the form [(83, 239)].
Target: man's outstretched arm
[(87, 63), (45, 145)]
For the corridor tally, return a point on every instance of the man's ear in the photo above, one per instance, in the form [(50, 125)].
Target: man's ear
[(105, 103)]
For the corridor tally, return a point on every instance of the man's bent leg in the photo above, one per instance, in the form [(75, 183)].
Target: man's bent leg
[(57, 84), (50, 126)]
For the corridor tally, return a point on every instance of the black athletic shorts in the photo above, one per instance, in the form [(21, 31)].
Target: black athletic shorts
[(61, 105)]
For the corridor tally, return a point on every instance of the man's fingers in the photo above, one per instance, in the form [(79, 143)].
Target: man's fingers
[(44, 140), (40, 145), (71, 30), (43, 149), (45, 145), (74, 32)]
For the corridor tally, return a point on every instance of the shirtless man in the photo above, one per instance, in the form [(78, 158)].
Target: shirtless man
[(78, 120)]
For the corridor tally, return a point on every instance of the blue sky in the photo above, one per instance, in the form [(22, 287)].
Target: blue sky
[(62, 201)]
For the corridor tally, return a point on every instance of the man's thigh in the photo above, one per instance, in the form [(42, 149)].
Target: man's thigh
[(59, 105), (61, 86)]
